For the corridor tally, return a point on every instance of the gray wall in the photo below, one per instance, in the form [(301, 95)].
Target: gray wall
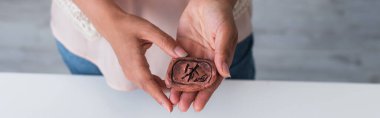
[(327, 40), (307, 40), (26, 43)]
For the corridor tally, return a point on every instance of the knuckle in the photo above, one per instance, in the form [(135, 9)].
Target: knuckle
[(146, 30), (141, 81), (164, 42), (142, 84)]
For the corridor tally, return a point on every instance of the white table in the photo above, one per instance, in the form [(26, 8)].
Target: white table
[(66, 96)]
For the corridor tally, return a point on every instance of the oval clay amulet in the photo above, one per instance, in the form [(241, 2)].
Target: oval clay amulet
[(190, 74)]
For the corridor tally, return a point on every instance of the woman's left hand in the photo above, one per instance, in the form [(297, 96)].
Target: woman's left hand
[(206, 30)]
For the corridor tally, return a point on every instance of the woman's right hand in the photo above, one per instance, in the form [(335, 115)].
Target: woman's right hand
[(130, 37)]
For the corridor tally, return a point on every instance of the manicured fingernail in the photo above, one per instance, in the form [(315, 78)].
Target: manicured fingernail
[(226, 70), (180, 51), (181, 107), (184, 110), (167, 107), (197, 109)]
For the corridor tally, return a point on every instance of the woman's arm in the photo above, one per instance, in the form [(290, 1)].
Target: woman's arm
[(102, 13)]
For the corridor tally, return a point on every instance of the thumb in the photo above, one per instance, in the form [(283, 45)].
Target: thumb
[(225, 44), (165, 42)]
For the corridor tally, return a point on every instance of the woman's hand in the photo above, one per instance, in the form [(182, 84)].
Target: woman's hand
[(206, 30), (130, 37)]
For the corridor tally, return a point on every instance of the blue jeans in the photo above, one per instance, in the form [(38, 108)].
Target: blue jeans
[(242, 67)]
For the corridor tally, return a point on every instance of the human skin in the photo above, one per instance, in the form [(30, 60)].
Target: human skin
[(206, 30), (212, 30), (130, 36)]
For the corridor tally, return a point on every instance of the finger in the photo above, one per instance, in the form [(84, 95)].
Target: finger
[(151, 87), (164, 41), (161, 83), (204, 95), (186, 99), (175, 96), (225, 43), (137, 70)]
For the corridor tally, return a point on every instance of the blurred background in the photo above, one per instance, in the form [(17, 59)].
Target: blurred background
[(303, 40)]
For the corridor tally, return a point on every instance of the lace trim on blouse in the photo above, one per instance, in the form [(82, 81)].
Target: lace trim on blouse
[(87, 28)]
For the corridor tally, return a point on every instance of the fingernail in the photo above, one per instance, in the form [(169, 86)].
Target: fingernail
[(226, 69), (197, 109), (167, 107), (180, 51), (181, 107)]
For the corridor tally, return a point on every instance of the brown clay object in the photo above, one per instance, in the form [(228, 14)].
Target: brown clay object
[(190, 74)]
